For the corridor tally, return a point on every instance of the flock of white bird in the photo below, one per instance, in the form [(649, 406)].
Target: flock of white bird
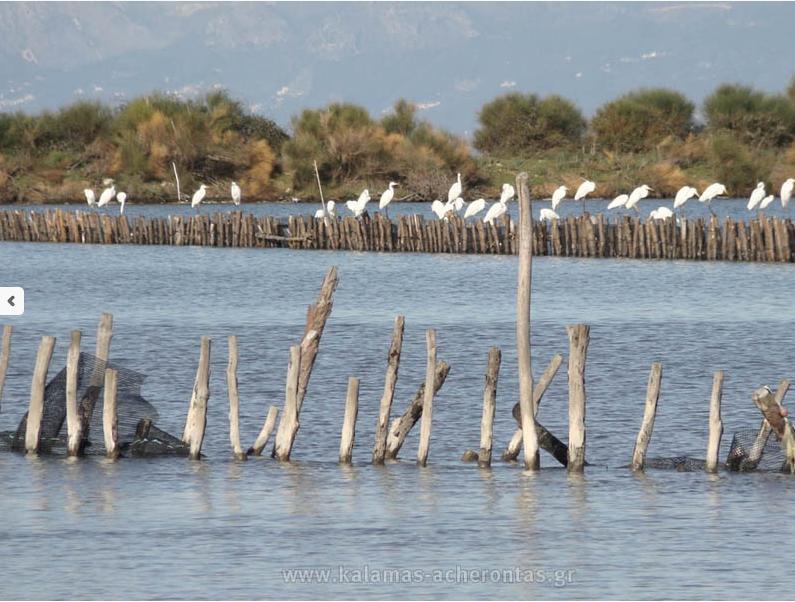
[(456, 204)]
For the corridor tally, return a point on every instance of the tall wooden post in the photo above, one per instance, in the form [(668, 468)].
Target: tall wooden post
[(489, 407), (579, 336), (427, 405), (349, 421), (529, 436), (36, 407), (197, 413), (5, 353), (715, 423), (110, 419), (288, 426), (234, 400), (393, 362), (649, 413), (73, 423)]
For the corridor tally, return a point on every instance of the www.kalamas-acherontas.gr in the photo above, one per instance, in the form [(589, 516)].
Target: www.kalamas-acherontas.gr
[(366, 574)]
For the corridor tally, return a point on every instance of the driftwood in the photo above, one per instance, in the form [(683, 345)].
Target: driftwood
[(289, 424), (649, 413), (715, 423), (196, 422), (776, 416), (578, 351), (427, 402), (489, 407), (349, 421), (264, 434), (401, 426)]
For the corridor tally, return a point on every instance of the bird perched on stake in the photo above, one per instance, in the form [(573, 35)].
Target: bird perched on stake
[(122, 198), (641, 192), (558, 196), (236, 194), (618, 202), (475, 207), (455, 190), (507, 193), (198, 196), (498, 209), (684, 194), (710, 192), (767, 201), (90, 198), (106, 196), (786, 191), (661, 213), (548, 214), (439, 208), (328, 211), (386, 198), (583, 190), (358, 206), (756, 196)]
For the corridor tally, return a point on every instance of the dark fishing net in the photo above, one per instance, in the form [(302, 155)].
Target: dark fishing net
[(755, 449), (134, 413)]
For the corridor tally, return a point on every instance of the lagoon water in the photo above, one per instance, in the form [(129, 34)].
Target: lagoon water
[(170, 528)]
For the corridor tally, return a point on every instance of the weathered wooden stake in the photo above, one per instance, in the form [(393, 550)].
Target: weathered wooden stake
[(349, 422), (36, 407), (393, 363), (715, 423), (489, 407), (579, 336), (73, 423), (771, 408), (265, 433), (514, 447), (649, 413), (401, 427), (234, 400), (529, 437), (5, 353), (197, 414), (427, 404), (288, 425), (110, 418), (104, 337)]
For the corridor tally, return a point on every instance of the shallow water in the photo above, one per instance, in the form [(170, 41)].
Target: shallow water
[(734, 208), (169, 528)]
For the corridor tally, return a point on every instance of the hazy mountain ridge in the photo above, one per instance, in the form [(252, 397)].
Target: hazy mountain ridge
[(450, 57)]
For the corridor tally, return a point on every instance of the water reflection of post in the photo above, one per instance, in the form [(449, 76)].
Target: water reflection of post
[(234, 473), (389, 485), (110, 474), (578, 488), (73, 475), (527, 502), (202, 472)]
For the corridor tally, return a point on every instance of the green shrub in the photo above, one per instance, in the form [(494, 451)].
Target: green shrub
[(755, 117), (734, 164), (523, 123), (642, 120)]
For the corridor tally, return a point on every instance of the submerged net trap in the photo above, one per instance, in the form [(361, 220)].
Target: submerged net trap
[(137, 434)]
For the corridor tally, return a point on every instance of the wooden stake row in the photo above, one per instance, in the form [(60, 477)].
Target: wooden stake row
[(760, 239)]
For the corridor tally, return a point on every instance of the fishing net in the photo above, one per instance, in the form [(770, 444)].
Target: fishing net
[(755, 449), (135, 415)]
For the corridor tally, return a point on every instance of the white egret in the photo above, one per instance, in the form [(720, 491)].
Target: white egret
[(684, 194), (498, 209), (386, 197), (618, 202), (331, 208), (786, 191), (439, 208), (584, 190), (455, 190), (548, 214), (358, 206), (558, 196), (198, 196), (475, 207), (235, 191), (661, 213), (641, 192), (507, 193), (766, 201), (458, 204), (92, 200), (756, 196), (710, 192), (106, 196), (122, 198)]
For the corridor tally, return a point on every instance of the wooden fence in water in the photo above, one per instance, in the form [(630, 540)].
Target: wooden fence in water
[(761, 239)]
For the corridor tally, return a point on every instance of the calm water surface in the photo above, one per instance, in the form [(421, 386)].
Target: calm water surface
[(169, 528)]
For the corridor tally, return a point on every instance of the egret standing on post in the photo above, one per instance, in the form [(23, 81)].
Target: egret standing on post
[(475, 207), (122, 198), (786, 191), (618, 202), (92, 200), (584, 190), (710, 192), (386, 198), (236, 195), (507, 193), (107, 195), (455, 190), (558, 196), (684, 194), (641, 192), (756, 196), (198, 196)]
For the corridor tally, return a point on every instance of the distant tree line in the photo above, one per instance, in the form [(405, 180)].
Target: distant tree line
[(651, 134)]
